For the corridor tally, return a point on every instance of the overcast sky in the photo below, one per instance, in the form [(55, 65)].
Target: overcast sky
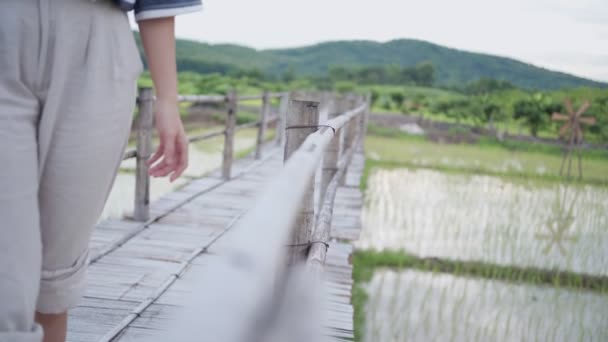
[(565, 35)]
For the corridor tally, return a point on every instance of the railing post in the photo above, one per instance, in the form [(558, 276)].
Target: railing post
[(282, 117), (302, 120), (228, 157), (262, 128), (366, 114), (350, 130), (145, 123)]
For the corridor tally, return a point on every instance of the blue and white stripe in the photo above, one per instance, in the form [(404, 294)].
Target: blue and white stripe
[(151, 9)]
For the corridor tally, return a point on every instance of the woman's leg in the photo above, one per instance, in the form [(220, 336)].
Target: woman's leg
[(55, 326), (87, 112), (20, 248)]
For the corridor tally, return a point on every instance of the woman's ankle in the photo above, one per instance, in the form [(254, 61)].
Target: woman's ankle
[(54, 326)]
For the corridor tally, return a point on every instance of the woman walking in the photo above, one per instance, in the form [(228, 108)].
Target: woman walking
[(68, 72)]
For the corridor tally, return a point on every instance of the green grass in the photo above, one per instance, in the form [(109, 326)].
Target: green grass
[(359, 300), (510, 145), (516, 177), (390, 148), (244, 117), (523, 146), (366, 262)]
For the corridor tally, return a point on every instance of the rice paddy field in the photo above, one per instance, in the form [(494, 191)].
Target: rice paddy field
[(424, 306), (480, 243)]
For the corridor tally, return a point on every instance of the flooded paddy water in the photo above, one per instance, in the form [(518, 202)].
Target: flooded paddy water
[(496, 221), (204, 156), (422, 306), (482, 218)]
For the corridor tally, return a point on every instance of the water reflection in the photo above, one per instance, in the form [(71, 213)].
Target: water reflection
[(561, 221), (422, 306)]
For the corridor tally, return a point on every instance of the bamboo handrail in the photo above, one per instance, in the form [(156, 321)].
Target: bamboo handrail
[(202, 98), (250, 278)]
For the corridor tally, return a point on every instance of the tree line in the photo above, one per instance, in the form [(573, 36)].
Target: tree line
[(488, 102)]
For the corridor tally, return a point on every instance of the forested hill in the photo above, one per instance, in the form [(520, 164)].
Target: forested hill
[(451, 67)]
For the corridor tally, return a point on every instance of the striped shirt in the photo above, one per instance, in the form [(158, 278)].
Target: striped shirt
[(150, 9)]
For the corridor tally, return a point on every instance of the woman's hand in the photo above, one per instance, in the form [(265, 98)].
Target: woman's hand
[(171, 157), (158, 38)]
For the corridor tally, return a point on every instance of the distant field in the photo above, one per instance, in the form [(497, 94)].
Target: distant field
[(408, 151)]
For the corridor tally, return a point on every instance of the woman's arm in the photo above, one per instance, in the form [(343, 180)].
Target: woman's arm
[(158, 38)]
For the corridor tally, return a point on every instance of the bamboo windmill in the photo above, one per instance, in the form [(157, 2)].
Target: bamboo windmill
[(573, 133)]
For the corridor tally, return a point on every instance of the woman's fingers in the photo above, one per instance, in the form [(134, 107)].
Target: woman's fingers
[(163, 167), (182, 157), (157, 155), (160, 170), (169, 157), (174, 158)]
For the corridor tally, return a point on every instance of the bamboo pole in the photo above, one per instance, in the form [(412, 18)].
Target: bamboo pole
[(580, 162), (570, 148), (302, 120), (262, 128), (350, 103), (365, 116), (145, 123), (228, 156), (201, 98), (331, 157), (281, 119), (322, 232)]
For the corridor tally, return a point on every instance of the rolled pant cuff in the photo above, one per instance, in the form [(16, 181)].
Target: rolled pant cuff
[(62, 289), (32, 336)]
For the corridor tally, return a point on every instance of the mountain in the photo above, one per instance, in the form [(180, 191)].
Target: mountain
[(452, 67)]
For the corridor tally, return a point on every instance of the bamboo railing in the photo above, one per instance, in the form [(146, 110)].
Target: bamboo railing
[(263, 288), (144, 126)]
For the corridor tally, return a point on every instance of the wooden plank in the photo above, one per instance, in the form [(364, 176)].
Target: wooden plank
[(133, 334)]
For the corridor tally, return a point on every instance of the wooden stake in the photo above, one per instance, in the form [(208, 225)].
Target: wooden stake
[(302, 120), (570, 148), (580, 162), (145, 123), (262, 128), (350, 130), (229, 135), (365, 116), (282, 117)]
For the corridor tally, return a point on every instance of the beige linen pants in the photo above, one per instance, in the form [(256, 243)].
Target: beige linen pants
[(68, 71)]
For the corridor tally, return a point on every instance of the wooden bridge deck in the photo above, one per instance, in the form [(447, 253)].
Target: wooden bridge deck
[(140, 273)]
